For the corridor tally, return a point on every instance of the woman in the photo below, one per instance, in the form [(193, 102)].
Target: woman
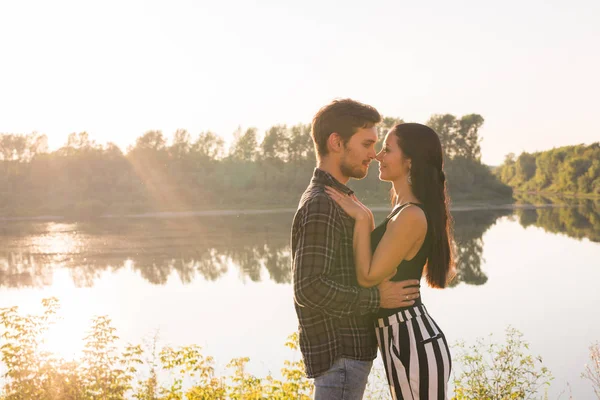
[(414, 240)]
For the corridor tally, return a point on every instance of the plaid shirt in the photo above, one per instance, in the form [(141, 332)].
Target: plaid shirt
[(334, 312)]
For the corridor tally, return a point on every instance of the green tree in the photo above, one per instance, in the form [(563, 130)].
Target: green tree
[(151, 140), (467, 140), (300, 146), (275, 143), (386, 124), (445, 125), (245, 147), (208, 145), (525, 167), (181, 144), (571, 170), (508, 170), (22, 148)]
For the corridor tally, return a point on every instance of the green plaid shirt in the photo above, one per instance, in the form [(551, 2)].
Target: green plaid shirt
[(334, 312)]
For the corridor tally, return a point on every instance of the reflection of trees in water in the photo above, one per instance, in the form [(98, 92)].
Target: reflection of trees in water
[(278, 263), (577, 218), (154, 248), (211, 266), (469, 227), (256, 246), (23, 269), (201, 247), (468, 263)]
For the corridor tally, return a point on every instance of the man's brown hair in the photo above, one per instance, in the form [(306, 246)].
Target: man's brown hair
[(343, 117)]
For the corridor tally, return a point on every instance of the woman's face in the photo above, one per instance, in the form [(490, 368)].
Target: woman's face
[(393, 164)]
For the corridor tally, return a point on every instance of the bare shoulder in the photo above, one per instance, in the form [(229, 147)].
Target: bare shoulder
[(411, 220)]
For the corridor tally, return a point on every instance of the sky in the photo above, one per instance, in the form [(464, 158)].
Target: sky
[(117, 69)]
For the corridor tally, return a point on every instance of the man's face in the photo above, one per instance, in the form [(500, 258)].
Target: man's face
[(359, 152)]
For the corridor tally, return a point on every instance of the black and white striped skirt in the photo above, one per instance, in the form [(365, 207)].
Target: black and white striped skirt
[(415, 355)]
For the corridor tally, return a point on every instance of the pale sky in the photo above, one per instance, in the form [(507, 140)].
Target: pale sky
[(119, 68)]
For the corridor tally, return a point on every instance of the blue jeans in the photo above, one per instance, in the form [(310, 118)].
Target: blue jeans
[(345, 380)]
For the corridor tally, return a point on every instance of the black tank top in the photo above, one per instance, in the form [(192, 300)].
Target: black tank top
[(407, 269)]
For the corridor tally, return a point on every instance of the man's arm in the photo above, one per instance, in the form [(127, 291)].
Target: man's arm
[(317, 238)]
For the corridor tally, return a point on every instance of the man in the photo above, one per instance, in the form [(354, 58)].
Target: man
[(337, 334)]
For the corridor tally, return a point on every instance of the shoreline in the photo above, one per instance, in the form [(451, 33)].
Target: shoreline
[(230, 212)]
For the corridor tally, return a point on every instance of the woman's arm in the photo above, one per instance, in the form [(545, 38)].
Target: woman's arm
[(361, 242), (403, 232)]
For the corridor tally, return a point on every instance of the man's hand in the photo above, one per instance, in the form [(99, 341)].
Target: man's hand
[(398, 294)]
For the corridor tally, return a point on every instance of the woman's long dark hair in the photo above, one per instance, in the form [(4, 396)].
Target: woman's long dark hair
[(422, 146)]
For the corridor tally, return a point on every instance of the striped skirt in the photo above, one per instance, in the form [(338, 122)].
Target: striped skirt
[(415, 355)]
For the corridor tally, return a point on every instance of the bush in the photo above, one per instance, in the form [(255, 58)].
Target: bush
[(495, 371), (487, 370), (592, 370), (105, 373)]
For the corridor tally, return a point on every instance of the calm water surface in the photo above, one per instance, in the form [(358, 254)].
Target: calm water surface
[(224, 283)]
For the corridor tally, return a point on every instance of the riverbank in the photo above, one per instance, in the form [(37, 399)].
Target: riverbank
[(460, 207), (556, 195)]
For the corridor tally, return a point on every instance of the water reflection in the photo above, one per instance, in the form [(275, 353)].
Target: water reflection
[(257, 246), (576, 218), (469, 227)]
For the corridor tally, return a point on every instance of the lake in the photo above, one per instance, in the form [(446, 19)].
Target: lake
[(224, 283)]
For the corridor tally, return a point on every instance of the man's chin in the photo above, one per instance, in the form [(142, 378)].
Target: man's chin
[(360, 174), (354, 172)]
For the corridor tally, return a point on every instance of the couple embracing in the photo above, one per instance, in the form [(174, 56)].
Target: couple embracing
[(356, 285)]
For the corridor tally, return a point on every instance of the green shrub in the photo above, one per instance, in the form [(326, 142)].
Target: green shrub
[(495, 371), (592, 370), (105, 373)]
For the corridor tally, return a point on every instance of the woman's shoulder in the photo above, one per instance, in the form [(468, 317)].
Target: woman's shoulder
[(411, 217)]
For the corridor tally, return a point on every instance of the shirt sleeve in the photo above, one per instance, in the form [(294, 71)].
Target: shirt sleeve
[(317, 239)]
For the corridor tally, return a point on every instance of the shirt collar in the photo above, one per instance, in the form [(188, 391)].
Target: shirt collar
[(325, 178)]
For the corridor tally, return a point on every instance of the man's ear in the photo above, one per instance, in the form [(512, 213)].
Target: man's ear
[(334, 143)]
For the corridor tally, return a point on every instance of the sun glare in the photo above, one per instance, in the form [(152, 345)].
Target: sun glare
[(60, 239), (64, 339)]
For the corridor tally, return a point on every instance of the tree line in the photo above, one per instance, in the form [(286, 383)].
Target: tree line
[(571, 170), (84, 178)]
